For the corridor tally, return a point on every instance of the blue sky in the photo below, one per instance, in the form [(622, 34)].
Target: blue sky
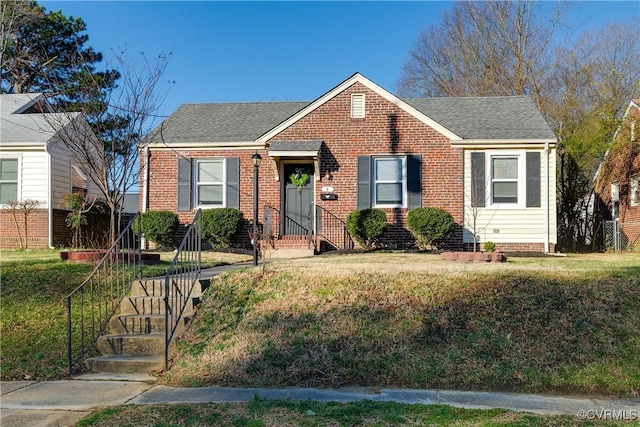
[(277, 51)]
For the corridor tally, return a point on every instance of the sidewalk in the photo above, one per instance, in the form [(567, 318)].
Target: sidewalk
[(63, 403)]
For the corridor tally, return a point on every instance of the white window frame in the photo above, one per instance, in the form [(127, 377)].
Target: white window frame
[(18, 192), (403, 181), (521, 179), (197, 184), (634, 191), (359, 100)]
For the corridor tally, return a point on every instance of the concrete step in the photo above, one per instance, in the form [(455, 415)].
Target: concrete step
[(137, 324), (150, 306), (156, 287), (125, 364), (133, 345), (134, 324)]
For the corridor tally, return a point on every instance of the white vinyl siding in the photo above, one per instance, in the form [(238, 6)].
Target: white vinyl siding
[(634, 191), (389, 182), (504, 224), (357, 106), (210, 183)]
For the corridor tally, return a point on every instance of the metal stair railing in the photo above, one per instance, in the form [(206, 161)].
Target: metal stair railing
[(182, 276), (332, 229), (91, 305)]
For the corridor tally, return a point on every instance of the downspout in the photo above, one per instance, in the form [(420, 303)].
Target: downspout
[(145, 189), (546, 199), (49, 199)]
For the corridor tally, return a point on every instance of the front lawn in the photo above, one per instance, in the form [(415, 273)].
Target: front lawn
[(33, 328), (552, 324)]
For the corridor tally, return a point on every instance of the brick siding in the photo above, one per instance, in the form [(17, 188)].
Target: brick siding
[(386, 129)]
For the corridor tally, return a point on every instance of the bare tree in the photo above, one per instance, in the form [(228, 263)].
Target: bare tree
[(483, 49), (593, 81), (107, 147)]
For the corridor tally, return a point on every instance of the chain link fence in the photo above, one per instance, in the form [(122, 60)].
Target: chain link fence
[(621, 236)]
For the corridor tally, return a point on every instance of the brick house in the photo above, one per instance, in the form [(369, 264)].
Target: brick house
[(618, 180), (362, 147), (35, 165)]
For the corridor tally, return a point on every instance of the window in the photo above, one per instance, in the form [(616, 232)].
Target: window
[(8, 180), (512, 178), (210, 183), (634, 195), (389, 181), (357, 106), (504, 179)]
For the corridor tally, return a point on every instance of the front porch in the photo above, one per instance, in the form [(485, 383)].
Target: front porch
[(317, 231)]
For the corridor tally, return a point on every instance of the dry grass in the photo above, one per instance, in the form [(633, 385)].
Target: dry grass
[(411, 320)]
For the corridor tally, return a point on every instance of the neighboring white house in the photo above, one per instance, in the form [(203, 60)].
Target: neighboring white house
[(35, 164)]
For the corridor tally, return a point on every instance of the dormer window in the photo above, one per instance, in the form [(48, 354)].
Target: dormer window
[(357, 106)]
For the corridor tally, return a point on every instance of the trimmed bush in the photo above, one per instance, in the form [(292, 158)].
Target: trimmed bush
[(220, 226), (429, 225), (366, 226), (160, 227)]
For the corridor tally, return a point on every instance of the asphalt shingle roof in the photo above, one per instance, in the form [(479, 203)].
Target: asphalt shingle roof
[(232, 122), (501, 117), (295, 146), (504, 118), (33, 128)]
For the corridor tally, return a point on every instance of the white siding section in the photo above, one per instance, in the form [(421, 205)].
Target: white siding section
[(526, 225), (34, 176), (60, 173)]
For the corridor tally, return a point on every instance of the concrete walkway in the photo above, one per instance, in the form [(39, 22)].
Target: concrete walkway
[(63, 403)]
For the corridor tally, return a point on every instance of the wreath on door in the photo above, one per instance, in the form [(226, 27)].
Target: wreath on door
[(299, 178)]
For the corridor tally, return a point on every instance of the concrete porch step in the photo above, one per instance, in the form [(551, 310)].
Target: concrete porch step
[(133, 345), (125, 364)]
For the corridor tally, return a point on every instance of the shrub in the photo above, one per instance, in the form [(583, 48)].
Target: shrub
[(489, 246), (220, 226), (160, 227), (366, 226), (429, 225)]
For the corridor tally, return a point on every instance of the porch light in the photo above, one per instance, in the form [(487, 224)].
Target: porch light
[(256, 159)]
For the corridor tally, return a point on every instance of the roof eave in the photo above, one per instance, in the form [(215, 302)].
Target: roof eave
[(186, 145), (504, 143)]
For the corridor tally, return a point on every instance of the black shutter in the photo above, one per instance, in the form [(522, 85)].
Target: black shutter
[(233, 182), (414, 180), (533, 179), (184, 184), (477, 180), (364, 182)]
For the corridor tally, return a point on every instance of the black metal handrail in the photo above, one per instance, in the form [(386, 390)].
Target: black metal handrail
[(91, 305), (332, 229), (275, 227), (181, 278)]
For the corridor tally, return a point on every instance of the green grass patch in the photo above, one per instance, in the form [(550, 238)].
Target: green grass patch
[(303, 413), (33, 314), (560, 325)]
